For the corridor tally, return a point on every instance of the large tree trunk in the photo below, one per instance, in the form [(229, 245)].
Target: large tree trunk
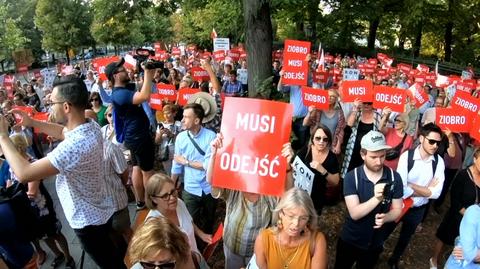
[(449, 31), (68, 56), (372, 33), (448, 40), (258, 29), (418, 40)]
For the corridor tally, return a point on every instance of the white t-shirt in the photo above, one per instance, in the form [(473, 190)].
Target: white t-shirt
[(185, 220), (81, 185)]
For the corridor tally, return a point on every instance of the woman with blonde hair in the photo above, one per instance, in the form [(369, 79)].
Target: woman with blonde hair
[(295, 241), (159, 243), (162, 200)]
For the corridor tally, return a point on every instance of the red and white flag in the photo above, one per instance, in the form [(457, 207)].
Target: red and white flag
[(213, 34)]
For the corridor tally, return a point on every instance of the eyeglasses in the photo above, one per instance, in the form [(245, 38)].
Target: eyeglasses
[(433, 141), (51, 103), (147, 265), (167, 195), (94, 99), (120, 70), (321, 139), (299, 218)]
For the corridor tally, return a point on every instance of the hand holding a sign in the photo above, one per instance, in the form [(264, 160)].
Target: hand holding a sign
[(287, 152), (207, 238), (217, 143)]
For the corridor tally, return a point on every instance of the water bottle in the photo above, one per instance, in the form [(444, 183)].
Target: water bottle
[(457, 244)]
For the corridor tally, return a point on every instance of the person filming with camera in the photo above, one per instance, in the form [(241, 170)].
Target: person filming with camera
[(131, 123), (373, 195)]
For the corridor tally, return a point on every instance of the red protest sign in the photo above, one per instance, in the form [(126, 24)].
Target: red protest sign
[(234, 54), (418, 94), (156, 101), (405, 68), (210, 248), (184, 94), (219, 55), (430, 78), (40, 116), (8, 81), (254, 132), (199, 74), (391, 97), (328, 58), (167, 91), (100, 63), (176, 51), (454, 119), (464, 101), (28, 109), (475, 130), (373, 61), (465, 87), (420, 78), (361, 89), (320, 76), (315, 97), (295, 66)]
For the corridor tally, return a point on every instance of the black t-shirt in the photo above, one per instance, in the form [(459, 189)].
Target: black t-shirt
[(361, 233), (363, 129), (319, 185)]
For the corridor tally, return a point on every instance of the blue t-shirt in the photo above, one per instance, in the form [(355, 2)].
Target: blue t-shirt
[(361, 233), (130, 120)]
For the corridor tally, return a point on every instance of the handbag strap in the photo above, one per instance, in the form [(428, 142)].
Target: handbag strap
[(400, 145), (196, 145)]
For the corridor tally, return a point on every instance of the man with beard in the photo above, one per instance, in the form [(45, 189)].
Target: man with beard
[(373, 196), (78, 163), (132, 125), (422, 172)]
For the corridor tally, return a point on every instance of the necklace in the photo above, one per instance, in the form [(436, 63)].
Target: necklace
[(286, 262)]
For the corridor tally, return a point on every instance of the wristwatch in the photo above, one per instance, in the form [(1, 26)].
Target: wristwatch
[(325, 174), (187, 163)]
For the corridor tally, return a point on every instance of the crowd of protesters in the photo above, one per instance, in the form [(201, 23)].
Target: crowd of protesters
[(102, 138)]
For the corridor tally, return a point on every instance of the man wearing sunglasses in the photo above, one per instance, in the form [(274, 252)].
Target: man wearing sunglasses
[(423, 174)]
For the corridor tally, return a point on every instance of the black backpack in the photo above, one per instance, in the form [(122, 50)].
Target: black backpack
[(410, 161), (26, 217)]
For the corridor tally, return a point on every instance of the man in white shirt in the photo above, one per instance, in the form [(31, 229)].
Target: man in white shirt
[(78, 163), (422, 172)]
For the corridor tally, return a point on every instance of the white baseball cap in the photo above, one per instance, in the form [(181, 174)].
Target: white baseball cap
[(374, 141)]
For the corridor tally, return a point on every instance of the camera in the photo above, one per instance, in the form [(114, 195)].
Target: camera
[(387, 197), (142, 55)]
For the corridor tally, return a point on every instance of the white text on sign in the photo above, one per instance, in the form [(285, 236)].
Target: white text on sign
[(248, 165), (255, 122), (452, 119), (387, 98), (357, 91), (297, 49), (315, 98), (466, 104), (297, 63), (294, 75), (166, 92)]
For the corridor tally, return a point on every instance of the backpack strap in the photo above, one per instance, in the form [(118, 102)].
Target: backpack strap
[(434, 163), (356, 178), (410, 160)]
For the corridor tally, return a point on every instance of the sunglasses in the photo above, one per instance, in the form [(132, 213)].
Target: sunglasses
[(368, 103), (433, 141), (321, 139), (94, 99), (147, 265), (167, 195), (109, 114)]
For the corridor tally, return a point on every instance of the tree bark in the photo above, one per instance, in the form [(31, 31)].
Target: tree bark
[(68, 56), (372, 33), (449, 31), (258, 33), (418, 40)]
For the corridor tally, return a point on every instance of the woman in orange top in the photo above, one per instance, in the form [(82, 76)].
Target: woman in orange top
[(295, 241)]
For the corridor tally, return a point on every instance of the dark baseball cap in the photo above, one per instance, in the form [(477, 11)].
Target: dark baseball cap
[(112, 68)]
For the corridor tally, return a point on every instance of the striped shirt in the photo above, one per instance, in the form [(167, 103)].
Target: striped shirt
[(115, 164), (244, 220)]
